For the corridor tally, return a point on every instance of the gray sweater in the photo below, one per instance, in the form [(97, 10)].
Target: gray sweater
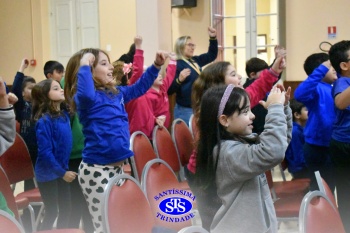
[(7, 129), (247, 206)]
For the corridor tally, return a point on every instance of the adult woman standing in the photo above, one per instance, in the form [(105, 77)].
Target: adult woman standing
[(182, 84)]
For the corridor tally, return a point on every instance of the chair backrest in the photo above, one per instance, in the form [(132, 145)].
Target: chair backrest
[(165, 148), (183, 140), (193, 127), (16, 162), (143, 152), (159, 183), (125, 207), (5, 189), (317, 214), (323, 187), (9, 224)]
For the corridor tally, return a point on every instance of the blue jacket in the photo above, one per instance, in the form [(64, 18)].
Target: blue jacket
[(183, 91), (295, 153), (317, 97), (104, 119), (23, 111), (54, 139), (341, 127)]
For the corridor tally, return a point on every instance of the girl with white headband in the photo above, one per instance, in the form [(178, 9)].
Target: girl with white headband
[(235, 160)]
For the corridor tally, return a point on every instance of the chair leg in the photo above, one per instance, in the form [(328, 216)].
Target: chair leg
[(39, 217)]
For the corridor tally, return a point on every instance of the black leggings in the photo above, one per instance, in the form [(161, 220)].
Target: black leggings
[(56, 197)]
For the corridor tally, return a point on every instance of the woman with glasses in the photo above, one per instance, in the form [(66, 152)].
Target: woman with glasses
[(182, 84)]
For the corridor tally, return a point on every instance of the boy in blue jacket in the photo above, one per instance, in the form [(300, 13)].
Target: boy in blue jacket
[(339, 55), (295, 154), (315, 94)]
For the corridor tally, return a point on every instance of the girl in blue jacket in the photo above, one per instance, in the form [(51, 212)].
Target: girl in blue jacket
[(54, 140), (93, 93)]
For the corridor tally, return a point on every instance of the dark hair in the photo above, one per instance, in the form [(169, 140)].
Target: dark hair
[(338, 53), (129, 56), (211, 132), (213, 74), (296, 106), (51, 66), (313, 61), (26, 80), (255, 65), (42, 103)]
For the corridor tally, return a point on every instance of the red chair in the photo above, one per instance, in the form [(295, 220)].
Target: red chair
[(323, 187), (18, 167), (165, 149), (193, 127), (143, 152), (287, 187), (9, 224), (125, 207), (14, 205), (286, 206), (184, 144), (157, 178), (318, 214)]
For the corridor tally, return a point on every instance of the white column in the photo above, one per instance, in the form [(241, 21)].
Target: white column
[(153, 23)]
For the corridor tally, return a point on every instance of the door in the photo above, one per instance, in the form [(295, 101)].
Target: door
[(247, 29), (74, 25)]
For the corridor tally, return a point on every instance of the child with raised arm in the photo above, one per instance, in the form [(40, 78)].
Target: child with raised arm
[(215, 74), (93, 92), (54, 140), (315, 93), (339, 55), (235, 160)]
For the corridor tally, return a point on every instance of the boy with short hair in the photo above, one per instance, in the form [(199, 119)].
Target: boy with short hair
[(339, 55), (54, 70), (294, 154), (315, 94)]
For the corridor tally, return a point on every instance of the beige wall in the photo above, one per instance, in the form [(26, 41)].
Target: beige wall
[(193, 22), (306, 27)]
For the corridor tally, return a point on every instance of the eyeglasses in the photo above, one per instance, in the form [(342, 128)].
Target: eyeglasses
[(191, 45)]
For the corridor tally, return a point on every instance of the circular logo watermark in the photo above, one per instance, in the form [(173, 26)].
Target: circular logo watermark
[(175, 205)]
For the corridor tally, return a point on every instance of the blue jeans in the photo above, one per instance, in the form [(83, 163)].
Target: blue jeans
[(183, 113)]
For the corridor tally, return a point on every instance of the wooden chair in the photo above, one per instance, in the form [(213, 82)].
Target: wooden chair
[(9, 224), (18, 167), (157, 178), (184, 144), (318, 214), (143, 152), (125, 207)]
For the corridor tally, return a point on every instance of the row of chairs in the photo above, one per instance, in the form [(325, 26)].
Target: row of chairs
[(174, 148), (132, 207), (16, 166)]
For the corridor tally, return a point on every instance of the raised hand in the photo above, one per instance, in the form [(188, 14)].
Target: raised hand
[(4, 103), (161, 56), (87, 59), (276, 96), (138, 42), (24, 65), (211, 32)]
